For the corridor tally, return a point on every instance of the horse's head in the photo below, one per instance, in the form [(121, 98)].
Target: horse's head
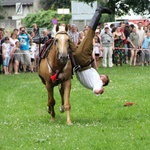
[(62, 45)]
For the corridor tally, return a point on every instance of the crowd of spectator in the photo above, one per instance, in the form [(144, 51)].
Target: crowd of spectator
[(112, 46)]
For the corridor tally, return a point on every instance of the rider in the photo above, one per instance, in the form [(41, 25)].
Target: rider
[(87, 75)]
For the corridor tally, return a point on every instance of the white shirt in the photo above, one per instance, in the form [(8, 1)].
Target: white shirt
[(141, 34), (12, 42), (6, 51), (90, 79), (32, 50), (96, 48)]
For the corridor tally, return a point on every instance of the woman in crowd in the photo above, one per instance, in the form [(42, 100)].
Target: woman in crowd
[(134, 45), (80, 38), (119, 52), (13, 40)]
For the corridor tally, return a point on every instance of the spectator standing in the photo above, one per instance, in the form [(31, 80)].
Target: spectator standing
[(126, 43), (145, 50), (131, 27), (134, 45), (1, 42), (74, 33), (13, 40), (97, 51), (107, 45), (32, 53), (141, 34), (24, 38), (119, 52), (45, 36), (16, 56), (80, 38), (15, 31), (145, 28), (36, 56), (148, 27), (6, 54), (97, 32), (35, 30), (112, 27)]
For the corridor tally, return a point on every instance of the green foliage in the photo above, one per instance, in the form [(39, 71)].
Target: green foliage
[(2, 17), (55, 4), (121, 7), (107, 18), (99, 122), (44, 19)]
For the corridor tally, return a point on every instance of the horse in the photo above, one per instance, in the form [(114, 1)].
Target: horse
[(56, 70)]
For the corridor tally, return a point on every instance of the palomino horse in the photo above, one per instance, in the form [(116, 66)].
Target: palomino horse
[(56, 69)]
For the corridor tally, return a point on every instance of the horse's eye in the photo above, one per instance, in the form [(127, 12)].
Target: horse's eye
[(69, 40)]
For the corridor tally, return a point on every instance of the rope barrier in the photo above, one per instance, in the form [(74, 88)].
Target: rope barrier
[(121, 48)]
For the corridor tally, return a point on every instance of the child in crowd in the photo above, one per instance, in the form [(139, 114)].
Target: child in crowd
[(16, 56), (145, 49), (97, 51), (6, 54), (32, 54)]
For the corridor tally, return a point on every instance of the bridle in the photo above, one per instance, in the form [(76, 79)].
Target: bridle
[(54, 77)]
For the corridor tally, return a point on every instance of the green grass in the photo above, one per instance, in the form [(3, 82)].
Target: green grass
[(99, 122)]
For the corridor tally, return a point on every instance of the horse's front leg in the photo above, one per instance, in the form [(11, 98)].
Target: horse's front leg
[(51, 101), (65, 89)]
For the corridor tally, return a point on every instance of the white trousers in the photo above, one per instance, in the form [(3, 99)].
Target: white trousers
[(107, 53)]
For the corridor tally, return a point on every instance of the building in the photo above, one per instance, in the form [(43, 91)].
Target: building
[(15, 10), (82, 13)]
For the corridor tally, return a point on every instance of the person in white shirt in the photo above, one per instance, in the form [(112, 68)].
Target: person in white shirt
[(6, 54), (87, 75), (32, 49), (141, 34)]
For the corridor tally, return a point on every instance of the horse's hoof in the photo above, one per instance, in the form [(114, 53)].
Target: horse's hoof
[(69, 123), (52, 120), (62, 110)]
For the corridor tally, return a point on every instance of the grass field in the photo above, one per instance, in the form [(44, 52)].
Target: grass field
[(99, 122)]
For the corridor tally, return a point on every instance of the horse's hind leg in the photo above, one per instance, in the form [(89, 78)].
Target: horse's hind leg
[(51, 101)]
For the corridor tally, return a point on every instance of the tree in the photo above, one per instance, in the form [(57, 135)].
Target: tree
[(54, 4), (121, 7), (2, 10), (44, 19)]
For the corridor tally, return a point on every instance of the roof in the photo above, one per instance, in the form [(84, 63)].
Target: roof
[(13, 2)]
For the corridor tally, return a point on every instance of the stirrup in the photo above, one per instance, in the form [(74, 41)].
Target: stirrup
[(76, 68)]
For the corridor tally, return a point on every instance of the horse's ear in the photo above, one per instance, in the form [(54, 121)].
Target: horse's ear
[(57, 28), (66, 28)]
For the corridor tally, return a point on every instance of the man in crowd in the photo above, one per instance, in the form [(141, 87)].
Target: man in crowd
[(24, 38), (107, 45)]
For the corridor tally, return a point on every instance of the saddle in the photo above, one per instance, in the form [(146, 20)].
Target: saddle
[(46, 48)]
